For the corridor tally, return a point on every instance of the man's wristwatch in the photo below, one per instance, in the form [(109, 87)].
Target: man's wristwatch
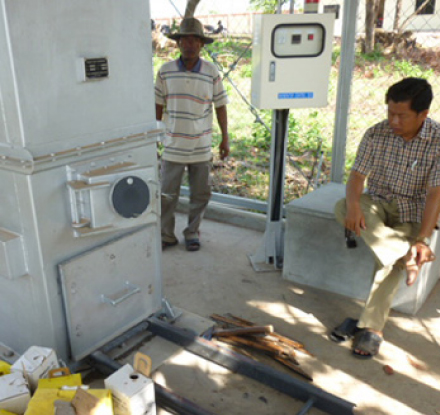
[(424, 240)]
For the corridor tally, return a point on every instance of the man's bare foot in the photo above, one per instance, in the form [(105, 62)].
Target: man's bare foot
[(366, 343)]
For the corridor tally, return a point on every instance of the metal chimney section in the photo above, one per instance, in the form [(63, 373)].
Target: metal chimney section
[(79, 225)]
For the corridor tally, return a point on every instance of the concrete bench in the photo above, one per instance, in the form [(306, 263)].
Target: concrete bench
[(315, 253)]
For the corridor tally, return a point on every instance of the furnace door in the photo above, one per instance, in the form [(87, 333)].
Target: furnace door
[(110, 289)]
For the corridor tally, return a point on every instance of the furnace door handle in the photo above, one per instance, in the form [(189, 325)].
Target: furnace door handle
[(133, 289)]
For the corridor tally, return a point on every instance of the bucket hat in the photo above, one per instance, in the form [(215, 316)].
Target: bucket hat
[(190, 27)]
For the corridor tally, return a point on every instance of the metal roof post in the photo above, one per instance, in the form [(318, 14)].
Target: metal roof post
[(344, 89)]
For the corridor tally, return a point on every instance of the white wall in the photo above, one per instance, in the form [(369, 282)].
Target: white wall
[(421, 23)]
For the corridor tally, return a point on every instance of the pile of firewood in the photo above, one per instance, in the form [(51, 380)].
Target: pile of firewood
[(241, 333)]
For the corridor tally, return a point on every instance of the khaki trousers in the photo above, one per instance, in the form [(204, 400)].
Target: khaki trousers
[(389, 240), (200, 193)]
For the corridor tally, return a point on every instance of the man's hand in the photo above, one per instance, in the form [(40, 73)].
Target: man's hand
[(222, 118), (418, 254), (422, 253), (355, 219), (224, 149)]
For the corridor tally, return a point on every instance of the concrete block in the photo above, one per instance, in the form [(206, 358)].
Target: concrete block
[(228, 214), (315, 253)]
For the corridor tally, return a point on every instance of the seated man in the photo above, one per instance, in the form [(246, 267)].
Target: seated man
[(400, 158)]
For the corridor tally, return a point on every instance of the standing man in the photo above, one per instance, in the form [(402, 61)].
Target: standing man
[(400, 159), (187, 89)]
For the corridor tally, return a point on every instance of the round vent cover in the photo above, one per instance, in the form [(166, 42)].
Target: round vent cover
[(130, 197)]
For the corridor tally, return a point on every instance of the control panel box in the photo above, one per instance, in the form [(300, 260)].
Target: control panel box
[(291, 60)]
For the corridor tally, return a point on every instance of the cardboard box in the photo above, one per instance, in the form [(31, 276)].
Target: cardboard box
[(14, 393), (133, 393), (44, 400), (35, 364), (63, 408), (86, 403)]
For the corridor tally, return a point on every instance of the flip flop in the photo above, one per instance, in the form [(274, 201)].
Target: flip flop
[(192, 245), (345, 331), (367, 342)]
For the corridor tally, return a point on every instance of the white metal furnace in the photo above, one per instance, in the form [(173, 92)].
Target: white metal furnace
[(79, 216)]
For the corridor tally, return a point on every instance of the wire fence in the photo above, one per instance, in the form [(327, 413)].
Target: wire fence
[(417, 54), (245, 174)]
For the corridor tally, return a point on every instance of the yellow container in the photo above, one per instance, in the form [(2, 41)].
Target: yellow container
[(55, 381), (42, 403), (3, 412), (5, 368)]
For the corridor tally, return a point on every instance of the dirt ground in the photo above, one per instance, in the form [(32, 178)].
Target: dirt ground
[(219, 279)]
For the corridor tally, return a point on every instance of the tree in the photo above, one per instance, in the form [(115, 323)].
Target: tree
[(399, 38), (191, 7), (370, 23), (268, 6), (397, 15)]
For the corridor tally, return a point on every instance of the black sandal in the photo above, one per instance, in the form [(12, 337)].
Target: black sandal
[(166, 244), (368, 342), (192, 245), (345, 331)]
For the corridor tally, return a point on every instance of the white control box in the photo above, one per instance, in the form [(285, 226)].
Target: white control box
[(291, 60)]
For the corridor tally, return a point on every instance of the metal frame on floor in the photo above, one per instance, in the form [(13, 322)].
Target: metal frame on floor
[(312, 396), (238, 363)]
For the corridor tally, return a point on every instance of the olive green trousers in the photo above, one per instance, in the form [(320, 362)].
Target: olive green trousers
[(389, 240), (200, 193)]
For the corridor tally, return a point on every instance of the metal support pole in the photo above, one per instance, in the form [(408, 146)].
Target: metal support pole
[(270, 253), (308, 405), (175, 8), (255, 370), (348, 42)]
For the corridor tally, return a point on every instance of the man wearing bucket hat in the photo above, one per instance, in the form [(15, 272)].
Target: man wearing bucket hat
[(187, 90)]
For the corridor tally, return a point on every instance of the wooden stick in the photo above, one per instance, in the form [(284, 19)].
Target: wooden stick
[(293, 367), (226, 320), (293, 343), (282, 349), (241, 322), (273, 350), (243, 331), (288, 361), (250, 343)]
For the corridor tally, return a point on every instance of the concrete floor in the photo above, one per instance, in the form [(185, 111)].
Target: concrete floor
[(219, 279)]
